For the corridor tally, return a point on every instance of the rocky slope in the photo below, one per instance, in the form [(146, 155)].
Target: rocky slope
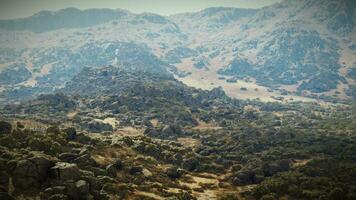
[(126, 134)]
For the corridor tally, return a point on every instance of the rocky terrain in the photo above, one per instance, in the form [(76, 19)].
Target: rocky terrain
[(142, 135)]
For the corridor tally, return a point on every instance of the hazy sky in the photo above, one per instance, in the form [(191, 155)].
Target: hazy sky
[(24, 8)]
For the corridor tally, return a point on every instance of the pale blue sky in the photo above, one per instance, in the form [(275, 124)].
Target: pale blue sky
[(24, 8)]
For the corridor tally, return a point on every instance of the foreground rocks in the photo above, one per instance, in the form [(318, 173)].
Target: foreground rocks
[(31, 172)]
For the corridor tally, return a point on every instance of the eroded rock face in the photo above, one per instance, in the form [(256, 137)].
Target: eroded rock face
[(65, 171), (5, 127)]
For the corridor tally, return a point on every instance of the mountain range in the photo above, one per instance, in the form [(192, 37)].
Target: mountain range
[(292, 50)]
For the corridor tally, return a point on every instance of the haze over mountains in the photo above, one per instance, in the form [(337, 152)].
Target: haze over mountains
[(295, 48)]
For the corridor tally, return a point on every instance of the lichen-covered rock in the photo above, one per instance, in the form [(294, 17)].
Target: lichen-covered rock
[(65, 171)]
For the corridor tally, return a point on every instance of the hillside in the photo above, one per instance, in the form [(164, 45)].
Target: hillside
[(125, 134)]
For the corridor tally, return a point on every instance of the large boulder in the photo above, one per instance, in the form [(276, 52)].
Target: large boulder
[(5, 127), (25, 175), (31, 172), (65, 171), (43, 165)]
